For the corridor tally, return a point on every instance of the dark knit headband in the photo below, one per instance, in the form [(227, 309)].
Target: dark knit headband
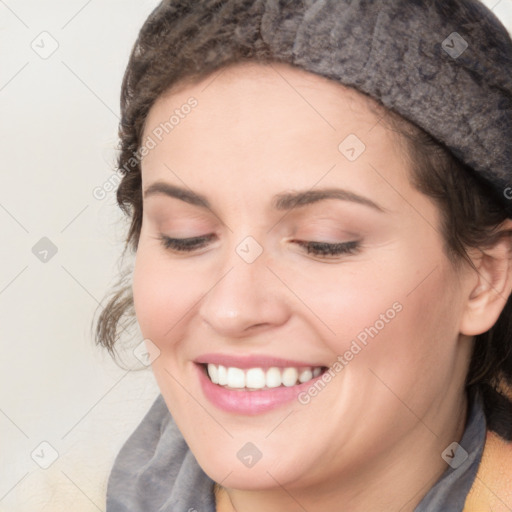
[(445, 65)]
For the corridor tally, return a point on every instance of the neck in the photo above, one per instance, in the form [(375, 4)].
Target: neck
[(397, 480)]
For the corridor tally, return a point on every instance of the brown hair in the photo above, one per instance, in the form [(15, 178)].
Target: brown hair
[(167, 54)]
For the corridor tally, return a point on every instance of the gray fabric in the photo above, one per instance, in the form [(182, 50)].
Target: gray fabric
[(446, 65), (156, 472), (450, 492)]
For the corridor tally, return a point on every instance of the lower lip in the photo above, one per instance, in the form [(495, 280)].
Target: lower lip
[(249, 402)]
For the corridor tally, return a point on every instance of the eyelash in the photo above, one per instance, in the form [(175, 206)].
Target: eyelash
[(321, 249), (185, 244), (326, 249)]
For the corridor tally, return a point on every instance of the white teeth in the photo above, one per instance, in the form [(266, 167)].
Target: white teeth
[(273, 377), (236, 378), (257, 378), (304, 376), (213, 372), (290, 376), (222, 376)]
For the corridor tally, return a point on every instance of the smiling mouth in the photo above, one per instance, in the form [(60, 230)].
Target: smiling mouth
[(256, 379)]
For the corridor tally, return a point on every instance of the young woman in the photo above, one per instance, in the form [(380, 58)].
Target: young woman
[(320, 195)]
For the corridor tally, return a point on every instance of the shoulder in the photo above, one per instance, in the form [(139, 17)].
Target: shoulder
[(492, 488)]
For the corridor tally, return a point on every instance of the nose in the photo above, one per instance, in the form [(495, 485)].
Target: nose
[(246, 298)]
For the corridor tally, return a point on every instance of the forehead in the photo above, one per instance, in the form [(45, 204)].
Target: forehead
[(252, 81), (252, 121)]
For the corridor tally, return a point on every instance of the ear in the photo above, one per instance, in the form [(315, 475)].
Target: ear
[(490, 286)]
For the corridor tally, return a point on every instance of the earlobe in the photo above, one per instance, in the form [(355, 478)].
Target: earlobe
[(489, 292)]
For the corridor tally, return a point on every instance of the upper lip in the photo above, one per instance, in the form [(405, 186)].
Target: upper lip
[(252, 361)]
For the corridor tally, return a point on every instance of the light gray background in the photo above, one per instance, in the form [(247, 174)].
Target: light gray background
[(59, 116)]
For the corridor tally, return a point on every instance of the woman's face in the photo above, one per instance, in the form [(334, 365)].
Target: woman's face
[(263, 170)]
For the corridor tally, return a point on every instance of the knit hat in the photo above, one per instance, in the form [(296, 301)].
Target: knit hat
[(445, 65)]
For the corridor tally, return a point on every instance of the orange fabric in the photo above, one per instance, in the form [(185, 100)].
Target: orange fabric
[(492, 488)]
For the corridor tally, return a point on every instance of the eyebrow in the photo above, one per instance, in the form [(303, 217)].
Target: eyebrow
[(161, 188), (283, 201), (289, 200)]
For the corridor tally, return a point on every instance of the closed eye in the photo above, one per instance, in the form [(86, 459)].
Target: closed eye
[(322, 249), (186, 244), (329, 249)]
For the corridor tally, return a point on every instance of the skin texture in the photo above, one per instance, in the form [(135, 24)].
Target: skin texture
[(372, 439)]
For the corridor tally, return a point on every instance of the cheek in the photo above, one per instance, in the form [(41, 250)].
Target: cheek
[(416, 349), (399, 311), (162, 295), (348, 300)]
